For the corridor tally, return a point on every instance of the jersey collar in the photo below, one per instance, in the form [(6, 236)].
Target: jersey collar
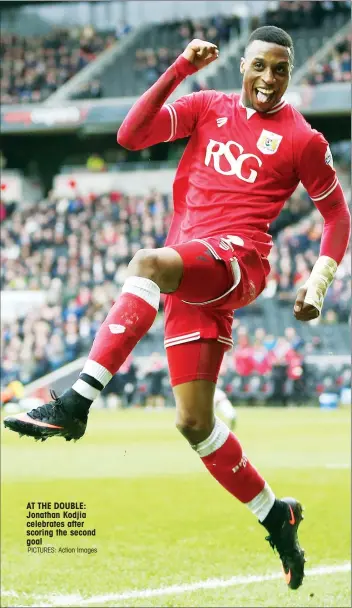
[(249, 111)]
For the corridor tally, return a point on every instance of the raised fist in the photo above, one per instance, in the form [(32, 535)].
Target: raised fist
[(201, 53)]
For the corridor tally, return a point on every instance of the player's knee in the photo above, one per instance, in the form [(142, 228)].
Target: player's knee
[(145, 264), (163, 266), (193, 428)]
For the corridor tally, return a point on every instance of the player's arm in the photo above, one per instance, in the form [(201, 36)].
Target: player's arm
[(149, 121), (320, 180)]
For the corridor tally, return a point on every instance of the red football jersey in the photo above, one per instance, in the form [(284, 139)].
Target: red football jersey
[(240, 166)]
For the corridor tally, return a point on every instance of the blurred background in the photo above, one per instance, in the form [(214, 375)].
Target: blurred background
[(75, 206)]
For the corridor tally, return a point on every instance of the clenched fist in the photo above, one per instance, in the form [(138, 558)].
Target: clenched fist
[(201, 53), (302, 310)]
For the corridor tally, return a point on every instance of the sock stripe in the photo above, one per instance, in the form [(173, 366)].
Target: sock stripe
[(85, 390), (92, 381), (143, 288), (261, 504), (97, 371), (215, 441)]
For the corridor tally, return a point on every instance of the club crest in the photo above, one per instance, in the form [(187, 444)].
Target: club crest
[(268, 142)]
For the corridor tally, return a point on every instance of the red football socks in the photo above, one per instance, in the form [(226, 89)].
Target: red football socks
[(223, 456), (127, 322)]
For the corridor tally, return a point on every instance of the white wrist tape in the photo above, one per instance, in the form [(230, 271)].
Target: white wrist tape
[(320, 279)]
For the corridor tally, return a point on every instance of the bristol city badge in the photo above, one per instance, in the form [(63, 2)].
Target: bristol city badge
[(268, 142)]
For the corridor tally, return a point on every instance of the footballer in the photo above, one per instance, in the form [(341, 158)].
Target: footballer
[(245, 156)]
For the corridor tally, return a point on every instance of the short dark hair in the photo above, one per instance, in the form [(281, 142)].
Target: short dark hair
[(271, 33)]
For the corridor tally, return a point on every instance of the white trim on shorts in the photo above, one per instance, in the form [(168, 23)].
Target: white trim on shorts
[(181, 339), (193, 337), (208, 246), (236, 270)]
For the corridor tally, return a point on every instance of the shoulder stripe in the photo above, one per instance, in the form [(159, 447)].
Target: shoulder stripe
[(173, 117), (175, 120), (326, 192), (328, 188)]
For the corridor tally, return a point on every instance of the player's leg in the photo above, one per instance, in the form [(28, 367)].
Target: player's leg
[(149, 273), (219, 449), (222, 453)]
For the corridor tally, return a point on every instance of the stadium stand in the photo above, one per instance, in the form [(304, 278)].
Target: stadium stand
[(335, 67), (33, 67), (75, 249), (311, 24), (157, 48), (301, 14)]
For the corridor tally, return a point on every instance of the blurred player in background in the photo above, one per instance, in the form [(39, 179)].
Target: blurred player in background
[(246, 155), (224, 407)]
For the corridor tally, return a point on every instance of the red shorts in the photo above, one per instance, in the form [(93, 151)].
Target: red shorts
[(221, 274)]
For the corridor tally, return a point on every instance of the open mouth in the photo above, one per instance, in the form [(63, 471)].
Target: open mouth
[(264, 95)]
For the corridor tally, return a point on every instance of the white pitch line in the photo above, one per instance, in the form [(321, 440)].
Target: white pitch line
[(216, 583), (208, 584)]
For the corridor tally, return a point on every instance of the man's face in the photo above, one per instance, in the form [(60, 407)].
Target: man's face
[(266, 70)]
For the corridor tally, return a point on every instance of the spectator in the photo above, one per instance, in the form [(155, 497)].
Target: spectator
[(154, 374), (32, 68), (336, 67), (76, 250), (64, 248), (294, 14), (151, 63)]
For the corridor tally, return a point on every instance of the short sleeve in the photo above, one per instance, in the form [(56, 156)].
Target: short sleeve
[(316, 169), (185, 113)]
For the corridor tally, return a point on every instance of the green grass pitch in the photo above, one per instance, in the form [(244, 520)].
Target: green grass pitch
[(162, 521)]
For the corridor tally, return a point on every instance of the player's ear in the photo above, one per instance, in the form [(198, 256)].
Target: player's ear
[(242, 65)]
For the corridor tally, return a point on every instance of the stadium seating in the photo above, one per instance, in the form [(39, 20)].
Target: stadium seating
[(309, 31), (160, 44), (63, 248), (75, 250), (35, 67), (335, 67), (156, 48), (32, 68)]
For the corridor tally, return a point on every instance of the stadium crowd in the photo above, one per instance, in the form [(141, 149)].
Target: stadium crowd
[(77, 250), (335, 67), (150, 63), (261, 368), (34, 67), (295, 14), (291, 260)]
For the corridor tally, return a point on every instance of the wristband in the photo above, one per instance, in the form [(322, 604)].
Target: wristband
[(320, 279)]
